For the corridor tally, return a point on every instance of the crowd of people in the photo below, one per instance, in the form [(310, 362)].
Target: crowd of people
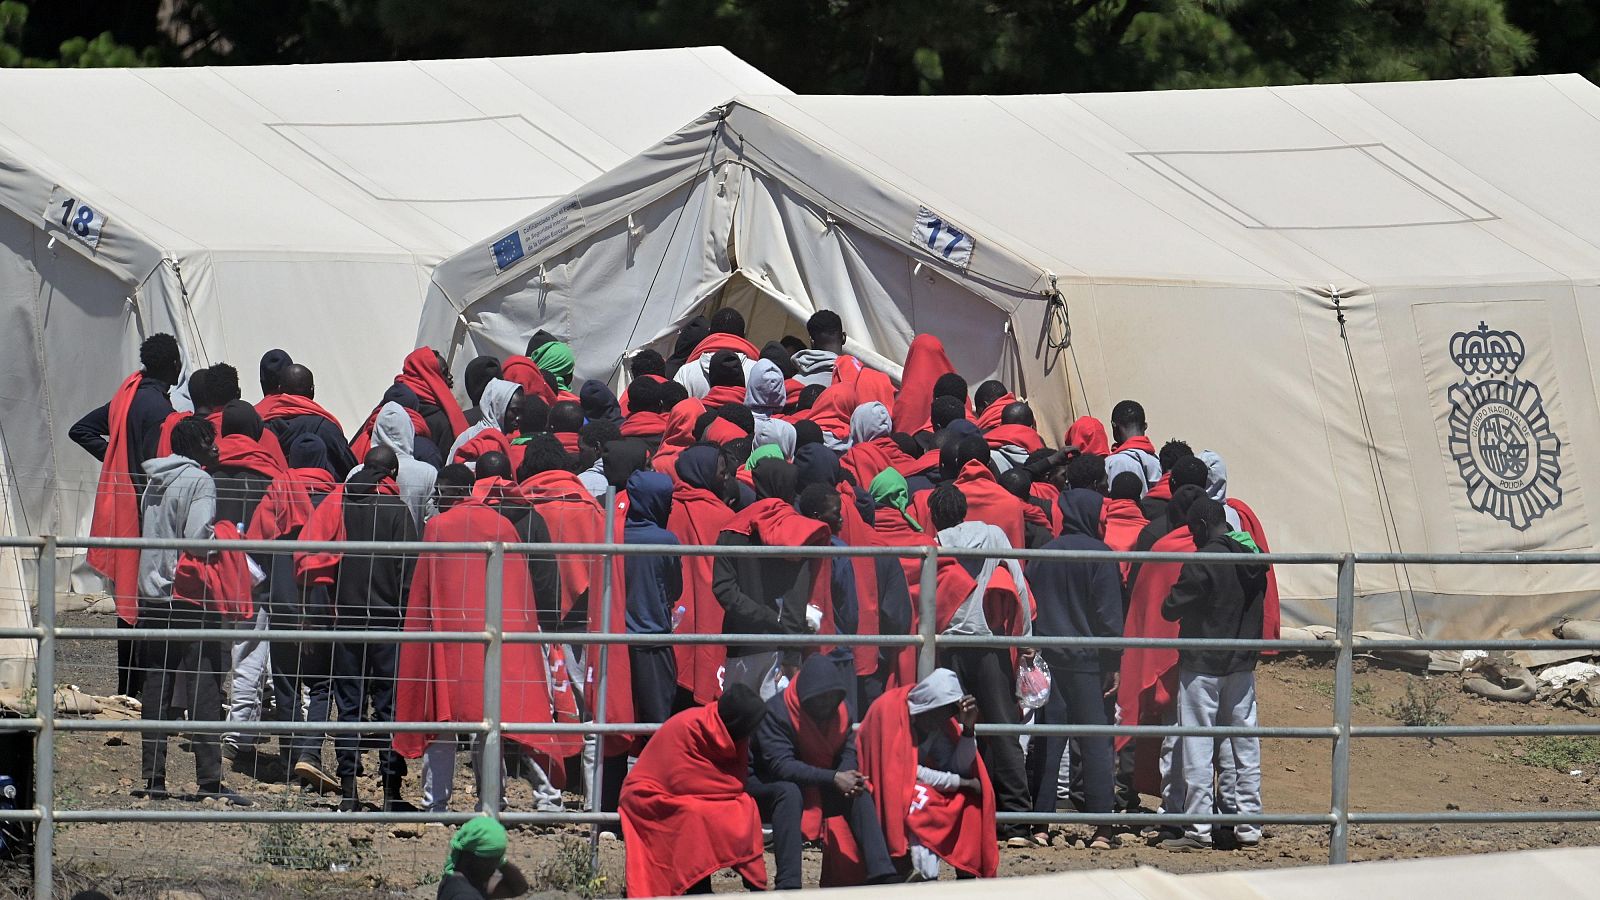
[(794, 444)]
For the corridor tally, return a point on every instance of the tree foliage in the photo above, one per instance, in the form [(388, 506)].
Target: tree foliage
[(870, 46), (18, 45)]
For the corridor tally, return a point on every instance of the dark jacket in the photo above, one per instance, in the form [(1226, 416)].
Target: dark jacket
[(774, 750), (752, 590), (150, 408), (370, 591), (340, 459), (543, 571), (654, 583), (1078, 599), (1219, 601)]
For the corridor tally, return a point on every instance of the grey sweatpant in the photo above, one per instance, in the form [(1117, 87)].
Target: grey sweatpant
[(1205, 700)]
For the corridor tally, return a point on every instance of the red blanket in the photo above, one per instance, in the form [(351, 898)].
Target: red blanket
[(622, 402), (283, 406), (573, 517), (723, 394), (857, 533), (721, 431), (444, 682), (697, 517), (422, 374), (820, 745), (523, 371), (286, 506), (1270, 618), (959, 827), (618, 662), (685, 814), (925, 362), (679, 434), (219, 582), (870, 384), (833, 410), (326, 523), (714, 342), (1089, 436), (894, 531), (1014, 436), (569, 441), (489, 440), (116, 507), (987, 501), (1150, 677), (865, 461), (990, 417), (644, 425), (1120, 524)]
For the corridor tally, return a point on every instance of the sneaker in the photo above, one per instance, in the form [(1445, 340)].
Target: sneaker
[(311, 775), (1017, 840), (223, 794), (1185, 844)]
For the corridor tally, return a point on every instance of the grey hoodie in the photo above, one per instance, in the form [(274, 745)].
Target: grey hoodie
[(816, 366), (393, 429), (180, 500), (764, 392), (693, 374), (1217, 485), (869, 422), (496, 399), (969, 617)]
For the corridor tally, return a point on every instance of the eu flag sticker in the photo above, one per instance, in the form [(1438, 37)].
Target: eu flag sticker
[(507, 250)]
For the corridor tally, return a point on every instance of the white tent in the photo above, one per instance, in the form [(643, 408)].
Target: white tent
[(1370, 299), (292, 206)]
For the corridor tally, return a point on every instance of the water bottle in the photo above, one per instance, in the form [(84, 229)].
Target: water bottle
[(677, 615)]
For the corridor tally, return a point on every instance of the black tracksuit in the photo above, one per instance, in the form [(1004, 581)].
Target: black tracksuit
[(340, 459), (1215, 600)]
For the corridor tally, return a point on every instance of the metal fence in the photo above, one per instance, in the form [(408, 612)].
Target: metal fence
[(1339, 818)]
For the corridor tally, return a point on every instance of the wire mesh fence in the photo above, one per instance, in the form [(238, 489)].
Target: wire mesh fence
[(544, 744)]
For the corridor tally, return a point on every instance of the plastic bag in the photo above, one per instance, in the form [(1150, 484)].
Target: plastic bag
[(1033, 683)]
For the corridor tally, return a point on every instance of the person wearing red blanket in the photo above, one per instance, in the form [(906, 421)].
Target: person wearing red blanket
[(1088, 436), (832, 413), (424, 372), (685, 813), (648, 419), (295, 411), (928, 783), (698, 516), (806, 781), (967, 463), (925, 363), (444, 682), (726, 376), (872, 448), (255, 491), (726, 333), (984, 597), (1218, 687), (769, 595), (989, 402), (123, 434), (1148, 681), (679, 434), (896, 527), (180, 501), (1128, 426), (1121, 519)]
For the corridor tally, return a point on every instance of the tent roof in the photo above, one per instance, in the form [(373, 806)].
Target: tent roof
[(1488, 180), (385, 160)]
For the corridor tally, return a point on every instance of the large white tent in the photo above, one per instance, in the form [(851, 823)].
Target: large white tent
[(292, 206), (1372, 300)]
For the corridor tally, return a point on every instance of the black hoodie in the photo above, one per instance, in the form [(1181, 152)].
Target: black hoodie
[(1078, 599), (370, 591), (774, 751), (1220, 601)]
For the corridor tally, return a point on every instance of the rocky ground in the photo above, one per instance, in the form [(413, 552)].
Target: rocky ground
[(1388, 774)]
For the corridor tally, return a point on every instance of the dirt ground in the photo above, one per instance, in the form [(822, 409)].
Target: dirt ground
[(1388, 774)]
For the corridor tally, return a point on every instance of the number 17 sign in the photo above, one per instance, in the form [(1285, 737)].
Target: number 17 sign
[(943, 238), (77, 219)]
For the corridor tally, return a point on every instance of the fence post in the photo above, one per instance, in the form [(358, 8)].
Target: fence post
[(597, 772), (490, 776), (44, 759), (1343, 679), (927, 617)]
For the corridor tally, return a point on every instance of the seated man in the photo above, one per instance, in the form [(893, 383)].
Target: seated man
[(931, 790), (685, 813), (477, 867), (805, 771)]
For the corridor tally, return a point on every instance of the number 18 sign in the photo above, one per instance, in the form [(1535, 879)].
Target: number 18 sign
[(77, 219)]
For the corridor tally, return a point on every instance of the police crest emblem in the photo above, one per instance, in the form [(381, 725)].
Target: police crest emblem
[(1500, 435)]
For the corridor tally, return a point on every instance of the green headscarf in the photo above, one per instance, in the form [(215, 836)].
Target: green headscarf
[(890, 489), (765, 451), (482, 837), (555, 358)]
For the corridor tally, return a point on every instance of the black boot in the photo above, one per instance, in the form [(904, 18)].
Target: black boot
[(347, 789), (392, 801)]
